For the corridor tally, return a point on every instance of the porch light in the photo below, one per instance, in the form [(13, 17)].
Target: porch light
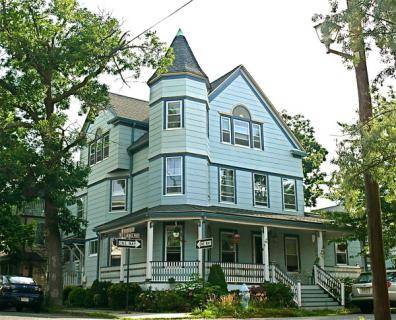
[(176, 232), (327, 33)]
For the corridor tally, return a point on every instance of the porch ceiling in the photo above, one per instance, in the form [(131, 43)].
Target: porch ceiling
[(221, 214)]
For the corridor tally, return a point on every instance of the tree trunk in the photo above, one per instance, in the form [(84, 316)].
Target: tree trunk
[(373, 204), (53, 241)]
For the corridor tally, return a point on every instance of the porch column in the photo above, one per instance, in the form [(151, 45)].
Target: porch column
[(320, 249), (150, 246), (264, 239), (201, 252)]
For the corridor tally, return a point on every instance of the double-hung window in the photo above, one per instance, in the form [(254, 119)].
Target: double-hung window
[(174, 114), (99, 148), (289, 194), (92, 153), (118, 194), (260, 190), (341, 253), (173, 175), (256, 133), (227, 185), (106, 145), (173, 245), (228, 247), (93, 247), (292, 254), (225, 129), (241, 133), (81, 207)]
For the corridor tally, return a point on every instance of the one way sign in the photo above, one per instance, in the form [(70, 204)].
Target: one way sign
[(133, 244), (204, 243)]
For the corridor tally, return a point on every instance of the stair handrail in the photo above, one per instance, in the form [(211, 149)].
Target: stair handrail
[(281, 276), (333, 286)]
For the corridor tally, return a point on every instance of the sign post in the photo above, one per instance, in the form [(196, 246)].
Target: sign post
[(202, 244)]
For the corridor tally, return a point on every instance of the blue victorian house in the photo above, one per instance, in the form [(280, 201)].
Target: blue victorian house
[(204, 159)]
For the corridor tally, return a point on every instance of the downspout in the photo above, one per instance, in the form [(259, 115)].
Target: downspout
[(98, 257), (131, 168)]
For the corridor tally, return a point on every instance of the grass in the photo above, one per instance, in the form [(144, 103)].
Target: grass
[(79, 313)]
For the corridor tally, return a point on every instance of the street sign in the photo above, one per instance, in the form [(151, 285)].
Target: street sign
[(204, 243), (129, 233), (131, 244)]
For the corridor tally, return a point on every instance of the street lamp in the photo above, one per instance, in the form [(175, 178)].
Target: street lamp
[(327, 33)]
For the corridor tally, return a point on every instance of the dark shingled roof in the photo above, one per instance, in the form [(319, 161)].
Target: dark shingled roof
[(129, 108), (184, 59), (214, 84)]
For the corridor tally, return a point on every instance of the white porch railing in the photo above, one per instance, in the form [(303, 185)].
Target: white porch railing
[(277, 275), (180, 271), (110, 274), (249, 273), (332, 285), (72, 278)]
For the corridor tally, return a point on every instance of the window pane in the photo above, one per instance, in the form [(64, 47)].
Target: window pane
[(174, 175), (173, 114), (92, 153), (115, 256), (260, 190), (118, 195), (228, 247), (241, 133), (99, 150), (106, 145), (292, 260), (225, 129), (173, 244), (289, 194), (256, 136), (227, 185), (241, 112), (118, 187)]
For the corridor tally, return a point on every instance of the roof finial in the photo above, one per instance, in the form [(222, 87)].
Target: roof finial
[(179, 33)]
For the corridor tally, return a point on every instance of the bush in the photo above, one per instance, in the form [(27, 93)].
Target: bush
[(217, 278), (77, 297), (99, 290), (278, 295), (163, 301), (66, 292), (116, 295), (89, 298)]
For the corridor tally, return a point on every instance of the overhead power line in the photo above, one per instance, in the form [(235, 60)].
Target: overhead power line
[(163, 19)]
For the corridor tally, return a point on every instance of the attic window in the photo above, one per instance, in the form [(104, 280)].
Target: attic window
[(99, 148), (241, 112)]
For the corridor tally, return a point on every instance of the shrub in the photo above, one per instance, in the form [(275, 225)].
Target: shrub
[(217, 278), (258, 296), (163, 301), (100, 300), (99, 290), (89, 298), (278, 295), (77, 297), (116, 295), (66, 292)]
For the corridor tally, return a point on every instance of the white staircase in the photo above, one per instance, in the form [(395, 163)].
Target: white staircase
[(314, 297)]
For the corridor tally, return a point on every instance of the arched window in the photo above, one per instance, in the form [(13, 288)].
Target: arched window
[(241, 112)]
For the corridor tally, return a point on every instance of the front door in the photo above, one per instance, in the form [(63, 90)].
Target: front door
[(257, 249)]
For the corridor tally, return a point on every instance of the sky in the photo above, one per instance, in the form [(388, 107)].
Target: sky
[(274, 40)]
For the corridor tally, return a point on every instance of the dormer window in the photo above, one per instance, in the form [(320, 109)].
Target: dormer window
[(173, 114), (99, 148)]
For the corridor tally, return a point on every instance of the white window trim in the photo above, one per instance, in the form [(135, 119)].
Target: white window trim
[(166, 241), (89, 248), (222, 201), (261, 142), (249, 133), (126, 195), (181, 180), (221, 246), (166, 114), (346, 254), (295, 196), (254, 190), (221, 129), (298, 254)]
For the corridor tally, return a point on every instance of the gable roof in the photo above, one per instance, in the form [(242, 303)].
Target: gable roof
[(129, 108), (184, 60), (217, 84)]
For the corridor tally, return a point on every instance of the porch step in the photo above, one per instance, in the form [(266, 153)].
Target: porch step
[(314, 297)]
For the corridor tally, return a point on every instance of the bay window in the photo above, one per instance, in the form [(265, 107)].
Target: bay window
[(173, 175), (174, 114), (99, 148)]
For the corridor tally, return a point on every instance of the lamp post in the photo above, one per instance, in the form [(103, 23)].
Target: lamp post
[(327, 33)]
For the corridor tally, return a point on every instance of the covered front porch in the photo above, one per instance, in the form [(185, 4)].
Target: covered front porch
[(249, 251)]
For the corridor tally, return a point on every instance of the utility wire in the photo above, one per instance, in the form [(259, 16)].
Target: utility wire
[(163, 19)]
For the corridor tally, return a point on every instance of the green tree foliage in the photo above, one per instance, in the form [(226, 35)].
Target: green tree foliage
[(370, 147), (316, 155), (216, 277), (378, 29), (52, 53)]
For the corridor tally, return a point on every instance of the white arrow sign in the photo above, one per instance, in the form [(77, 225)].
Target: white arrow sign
[(204, 243), (133, 244)]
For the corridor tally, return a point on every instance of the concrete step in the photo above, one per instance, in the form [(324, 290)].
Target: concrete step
[(317, 299), (313, 291), (310, 286), (314, 295), (324, 305), (322, 308)]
